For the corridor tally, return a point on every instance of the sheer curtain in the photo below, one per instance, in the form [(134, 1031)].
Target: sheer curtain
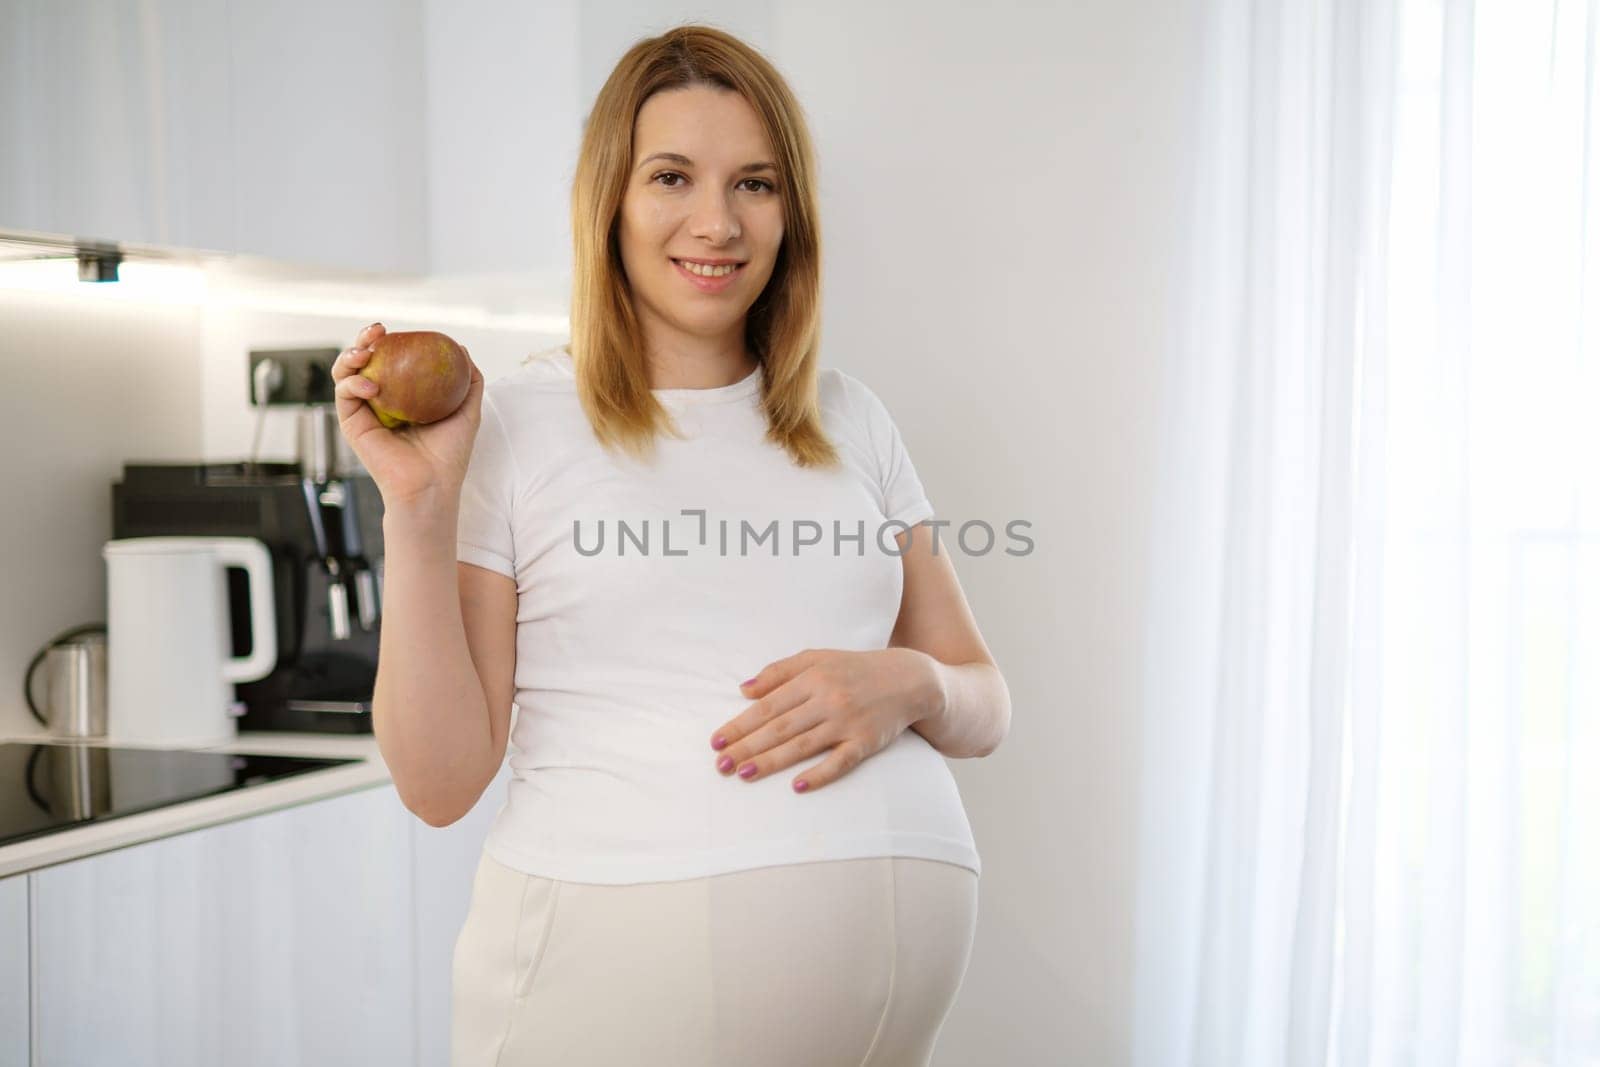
[(1370, 825)]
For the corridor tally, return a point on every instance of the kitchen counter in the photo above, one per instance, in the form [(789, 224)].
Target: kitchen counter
[(91, 838)]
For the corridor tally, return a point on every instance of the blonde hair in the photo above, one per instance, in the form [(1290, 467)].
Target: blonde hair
[(783, 325)]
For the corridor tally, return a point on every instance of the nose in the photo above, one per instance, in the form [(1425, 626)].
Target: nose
[(713, 219)]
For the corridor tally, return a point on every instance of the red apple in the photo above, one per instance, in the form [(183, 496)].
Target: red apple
[(422, 377)]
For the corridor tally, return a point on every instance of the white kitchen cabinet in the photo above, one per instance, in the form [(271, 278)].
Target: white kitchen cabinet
[(14, 971), (410, 136), (290, 130), (328, 149), (115, 117), (502, 143), (444, 860), (281, 939)]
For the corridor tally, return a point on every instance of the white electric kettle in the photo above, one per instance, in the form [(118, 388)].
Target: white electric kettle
[(169, 636)]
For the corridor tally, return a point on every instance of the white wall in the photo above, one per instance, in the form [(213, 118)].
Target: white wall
[(88, 383)]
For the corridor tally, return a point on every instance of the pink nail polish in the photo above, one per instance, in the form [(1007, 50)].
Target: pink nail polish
[(725, 763), (747, 770), (719, 742), (801, 786), (747, 683)]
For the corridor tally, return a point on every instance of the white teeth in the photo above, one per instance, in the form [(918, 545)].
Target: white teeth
[(708, 272)]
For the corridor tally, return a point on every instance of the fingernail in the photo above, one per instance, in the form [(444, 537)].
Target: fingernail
[(801, 786), (719, 742), (747, 770), (747, 683), (725, 763)]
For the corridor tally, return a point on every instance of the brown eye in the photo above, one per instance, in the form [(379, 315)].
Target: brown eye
[(765, 186)]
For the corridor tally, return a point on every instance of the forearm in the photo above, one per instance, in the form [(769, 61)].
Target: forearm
[(972, 714), (429, 712)]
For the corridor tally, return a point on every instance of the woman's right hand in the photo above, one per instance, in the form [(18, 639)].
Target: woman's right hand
[(411, 465)]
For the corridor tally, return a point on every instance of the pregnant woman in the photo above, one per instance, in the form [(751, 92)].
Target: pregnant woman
[(698, 564)]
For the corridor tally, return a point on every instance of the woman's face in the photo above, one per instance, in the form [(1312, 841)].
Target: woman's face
[(703, 206)]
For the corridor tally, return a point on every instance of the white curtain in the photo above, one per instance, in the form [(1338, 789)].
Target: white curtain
[(1370, 824)]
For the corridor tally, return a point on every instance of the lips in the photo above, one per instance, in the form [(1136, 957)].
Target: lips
[(703, 283)]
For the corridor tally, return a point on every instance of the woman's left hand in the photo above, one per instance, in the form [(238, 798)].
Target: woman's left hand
[(855, 703)]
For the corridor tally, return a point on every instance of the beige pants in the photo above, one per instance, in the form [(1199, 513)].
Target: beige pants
[(843, 963)]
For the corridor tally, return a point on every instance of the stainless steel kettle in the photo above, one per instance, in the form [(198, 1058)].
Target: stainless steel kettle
[(75, 682)]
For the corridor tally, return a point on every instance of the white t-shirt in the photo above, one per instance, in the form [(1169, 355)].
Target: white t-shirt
[(632, 639)]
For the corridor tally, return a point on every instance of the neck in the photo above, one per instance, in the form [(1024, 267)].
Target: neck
[(700, 370)]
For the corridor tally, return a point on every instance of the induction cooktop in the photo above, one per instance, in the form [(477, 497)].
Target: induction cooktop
[(49, 786)]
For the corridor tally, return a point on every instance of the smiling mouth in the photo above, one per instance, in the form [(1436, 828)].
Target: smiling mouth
[(701, 271)]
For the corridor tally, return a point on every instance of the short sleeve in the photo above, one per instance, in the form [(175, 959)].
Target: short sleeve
[(904, 499), (483, 529)]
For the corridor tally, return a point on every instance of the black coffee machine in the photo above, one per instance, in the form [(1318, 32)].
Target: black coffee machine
[(322, 521)]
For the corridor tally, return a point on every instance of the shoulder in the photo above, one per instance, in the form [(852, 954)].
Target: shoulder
[(535, 410), (541, 392), (853, 402), (846, 396), (544, 373)]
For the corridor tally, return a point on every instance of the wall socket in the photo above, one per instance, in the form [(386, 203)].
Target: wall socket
[(303, 376)]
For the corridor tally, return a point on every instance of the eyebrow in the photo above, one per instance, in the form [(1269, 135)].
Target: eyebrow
[(685, 161)]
